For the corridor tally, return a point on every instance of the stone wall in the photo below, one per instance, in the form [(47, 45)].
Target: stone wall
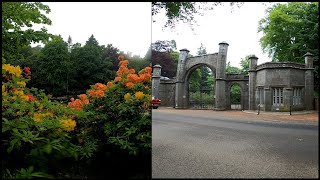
[(167, 92)]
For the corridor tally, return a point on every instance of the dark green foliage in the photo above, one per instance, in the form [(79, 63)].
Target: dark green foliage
[(244, 63), (235, 94), (52, 70), (13, 36), (165, 60), (111, 53)]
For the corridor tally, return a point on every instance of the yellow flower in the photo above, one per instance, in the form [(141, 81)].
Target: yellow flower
[(25, 97), (127, 96), (6, 67), (19, 92), (12, 70), (139, 95), (4, 92), (69, 124), (22, 83), (37, 117), (48, 114)]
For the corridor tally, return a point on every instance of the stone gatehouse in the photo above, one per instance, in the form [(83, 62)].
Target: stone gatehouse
[(271, 86)]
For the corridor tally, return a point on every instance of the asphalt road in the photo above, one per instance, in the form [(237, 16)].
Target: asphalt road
[(191, 146)]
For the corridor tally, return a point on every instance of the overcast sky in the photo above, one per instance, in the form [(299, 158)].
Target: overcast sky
[(125, 25), (237, 28)]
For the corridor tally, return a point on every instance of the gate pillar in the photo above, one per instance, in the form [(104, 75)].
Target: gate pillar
[(220, 87), (156, 74), (181, 91)]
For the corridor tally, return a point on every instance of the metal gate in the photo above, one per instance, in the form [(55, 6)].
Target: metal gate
[(201, 97)]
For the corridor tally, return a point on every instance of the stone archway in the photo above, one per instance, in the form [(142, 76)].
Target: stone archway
[(243, 82), (235, 92), (203, 96), (186, 65)]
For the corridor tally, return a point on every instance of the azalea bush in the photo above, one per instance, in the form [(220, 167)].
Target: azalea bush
[(44, 138), (118, 113), (37, 134)]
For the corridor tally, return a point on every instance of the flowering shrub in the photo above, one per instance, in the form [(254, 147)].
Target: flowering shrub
[(39, 137), (37, 134), (119, 110)]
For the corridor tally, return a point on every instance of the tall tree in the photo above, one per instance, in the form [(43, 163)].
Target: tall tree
[(165, 60), (244, 63), (91, 68), (111, 53), (290, 31), (17, 21), (201, 50), (205, 72), (69, 43), (51, 73)]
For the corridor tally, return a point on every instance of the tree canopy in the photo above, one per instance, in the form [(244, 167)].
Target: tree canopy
[(17, 21), (290, 31)]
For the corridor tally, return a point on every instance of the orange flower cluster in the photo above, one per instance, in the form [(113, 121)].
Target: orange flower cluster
[(128, 76), (98, 90), (78, 104), (125, 76)]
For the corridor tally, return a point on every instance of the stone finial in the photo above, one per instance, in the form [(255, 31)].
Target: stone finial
[(253, 57), (253, 62), (308, 54), (185, 50), (157, 66), (223, 43), (308, 59), (156, 71)]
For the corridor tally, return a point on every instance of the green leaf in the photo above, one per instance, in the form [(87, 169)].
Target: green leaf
[(47, 148), (12, 144)]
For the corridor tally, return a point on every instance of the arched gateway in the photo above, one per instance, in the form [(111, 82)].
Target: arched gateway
[(216, 62), (270, 86)]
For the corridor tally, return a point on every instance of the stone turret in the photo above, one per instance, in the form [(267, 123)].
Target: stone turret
[(220, 90), (222, 58), (309, 81), (253, 61), (180, 100), (181, 64)]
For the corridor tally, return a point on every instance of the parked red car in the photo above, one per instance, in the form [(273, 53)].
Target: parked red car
[(155, 102)]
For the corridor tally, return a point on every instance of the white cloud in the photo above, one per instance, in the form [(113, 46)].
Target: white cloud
[(125, 25), (237, 28)]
